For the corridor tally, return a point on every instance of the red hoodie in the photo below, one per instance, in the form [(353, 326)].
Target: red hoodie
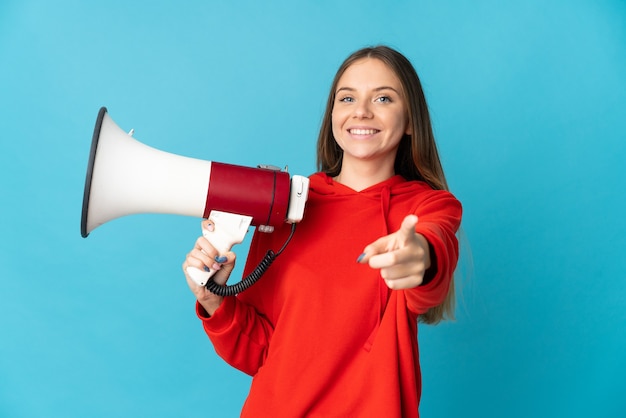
[(323, 335)]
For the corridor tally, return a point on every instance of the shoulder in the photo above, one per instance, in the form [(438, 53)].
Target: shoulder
[(421, 191), (421, 199)]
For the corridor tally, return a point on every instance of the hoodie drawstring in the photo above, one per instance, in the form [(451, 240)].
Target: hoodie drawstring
[(383, 290)]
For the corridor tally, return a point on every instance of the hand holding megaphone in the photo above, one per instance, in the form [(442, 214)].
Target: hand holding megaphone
[(127, 177), (229, 229)]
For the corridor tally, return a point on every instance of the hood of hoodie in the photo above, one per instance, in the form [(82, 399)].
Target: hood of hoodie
[(325, 187), (322, 184)]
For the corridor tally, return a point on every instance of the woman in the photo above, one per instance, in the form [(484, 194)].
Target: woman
[(322, 334)]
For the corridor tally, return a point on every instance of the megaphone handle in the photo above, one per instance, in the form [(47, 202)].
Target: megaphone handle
[(253, 277), (230, 229)]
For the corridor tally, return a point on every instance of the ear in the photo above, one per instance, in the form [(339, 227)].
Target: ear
[(409, 127)]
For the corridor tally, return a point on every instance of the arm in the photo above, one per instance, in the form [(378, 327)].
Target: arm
[(440, 218), (239, 334)]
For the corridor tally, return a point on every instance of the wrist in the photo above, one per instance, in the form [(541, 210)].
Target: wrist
[(211, 304)]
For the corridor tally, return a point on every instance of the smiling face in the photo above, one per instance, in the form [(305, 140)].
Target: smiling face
[(370, 114)]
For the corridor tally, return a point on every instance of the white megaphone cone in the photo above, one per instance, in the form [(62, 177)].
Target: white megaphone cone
[(126, 177)]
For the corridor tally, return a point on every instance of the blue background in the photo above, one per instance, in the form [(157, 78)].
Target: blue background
[(528, 101)]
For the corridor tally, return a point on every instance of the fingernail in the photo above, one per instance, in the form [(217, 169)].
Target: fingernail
[(358, 260), (206, 269), (221, 258)]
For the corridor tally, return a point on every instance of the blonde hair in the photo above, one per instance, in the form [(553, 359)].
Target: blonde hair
[(417, 157)]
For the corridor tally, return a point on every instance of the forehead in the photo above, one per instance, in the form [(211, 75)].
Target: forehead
[(369, 73)]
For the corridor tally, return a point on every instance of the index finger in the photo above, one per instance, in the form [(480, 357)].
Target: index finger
[(391, 242)]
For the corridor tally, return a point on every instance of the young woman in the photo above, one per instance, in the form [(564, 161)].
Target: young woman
[(330, 330)]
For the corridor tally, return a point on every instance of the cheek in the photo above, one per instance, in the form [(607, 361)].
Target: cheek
[(399, 123), (336, 124), (402, 124)]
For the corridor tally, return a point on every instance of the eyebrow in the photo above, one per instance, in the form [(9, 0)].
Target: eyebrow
[(377, 89)]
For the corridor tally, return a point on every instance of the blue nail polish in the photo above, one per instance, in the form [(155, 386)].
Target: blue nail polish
[(358, 260), (221, 259), (206, 269)]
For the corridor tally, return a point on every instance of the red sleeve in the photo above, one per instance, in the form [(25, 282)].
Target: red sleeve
[(439, 218), (238, 333)]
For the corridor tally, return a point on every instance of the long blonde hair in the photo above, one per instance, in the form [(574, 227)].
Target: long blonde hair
[(417, 157)]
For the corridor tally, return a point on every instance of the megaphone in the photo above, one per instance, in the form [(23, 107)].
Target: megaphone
[(125, 176)]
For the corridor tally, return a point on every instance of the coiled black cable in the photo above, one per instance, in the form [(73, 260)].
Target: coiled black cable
[(253, 277)]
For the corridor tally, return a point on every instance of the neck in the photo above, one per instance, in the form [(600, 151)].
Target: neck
[(360, 177)]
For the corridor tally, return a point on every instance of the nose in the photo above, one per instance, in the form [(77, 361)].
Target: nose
[(362, 110)]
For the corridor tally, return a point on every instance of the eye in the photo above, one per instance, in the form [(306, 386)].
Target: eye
[(384, 99), (346, 99)]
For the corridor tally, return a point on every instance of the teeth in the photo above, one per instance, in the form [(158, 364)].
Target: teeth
[(363, 131)]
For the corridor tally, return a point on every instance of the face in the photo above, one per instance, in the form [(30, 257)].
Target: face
[(370, 115)]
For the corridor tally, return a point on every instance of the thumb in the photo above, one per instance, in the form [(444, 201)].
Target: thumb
[(408, 226)]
